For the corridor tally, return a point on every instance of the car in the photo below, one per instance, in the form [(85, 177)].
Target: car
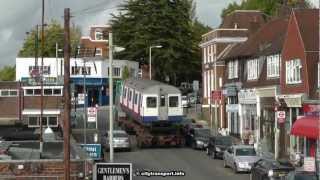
[(269, 169), (240, 158), (121, 140), (185, 102), (217, 145), (198, 138), (301, 175)]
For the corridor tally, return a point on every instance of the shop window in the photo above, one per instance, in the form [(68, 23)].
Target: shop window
[(173, 101), (151, 102)]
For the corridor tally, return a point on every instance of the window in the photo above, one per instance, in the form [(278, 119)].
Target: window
[(173, 101), (57, 91), (53, 91), (98, 35), (124, 92), (98, 52), (116, 71), (8, 93), (151, 102), (13, 92), (4, 93), (253, 69), (162, 101), (80, 70), (29, 92), (53, 121), (273, 66), (293, 71), (33, 121), (233, 69), (130, 94), (47, 91), (136, 98)]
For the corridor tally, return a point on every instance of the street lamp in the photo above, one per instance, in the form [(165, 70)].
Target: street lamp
[(111, 49), (150, 65)]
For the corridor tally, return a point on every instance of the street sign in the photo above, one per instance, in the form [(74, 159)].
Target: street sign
[(92, 114), (104, 171), (80, 99), (93, 150), (309, 164), (281, 116), (216, 95)]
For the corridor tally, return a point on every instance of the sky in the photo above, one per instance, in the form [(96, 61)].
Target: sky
[(19, 16)]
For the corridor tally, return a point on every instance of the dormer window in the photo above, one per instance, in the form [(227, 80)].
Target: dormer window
[(293, 71), (273, 66), (233, 69), (253, 69), (98, 34)]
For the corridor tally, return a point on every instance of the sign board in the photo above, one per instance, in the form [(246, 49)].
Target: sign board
[(216, 95), (195, 85), (80, 99), (309, 164), (105, 171), (281, 116), (92, 114), (93, 150)]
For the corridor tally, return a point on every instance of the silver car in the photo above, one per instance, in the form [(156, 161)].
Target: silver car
[(121, 140), (240, 158)]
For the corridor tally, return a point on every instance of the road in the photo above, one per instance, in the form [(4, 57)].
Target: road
[(195, 163)]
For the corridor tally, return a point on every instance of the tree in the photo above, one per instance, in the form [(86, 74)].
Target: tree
[(53, 34), (8, 73), (269, 7), (125, 73), (169, 23)]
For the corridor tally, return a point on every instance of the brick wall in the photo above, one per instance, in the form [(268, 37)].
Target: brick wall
[(41, 169)]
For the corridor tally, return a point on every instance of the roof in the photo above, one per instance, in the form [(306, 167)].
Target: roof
[(308, 22), (267, 40), (151, 86), (243, 19)]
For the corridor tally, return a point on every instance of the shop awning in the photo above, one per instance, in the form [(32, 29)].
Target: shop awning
[(306, 126)]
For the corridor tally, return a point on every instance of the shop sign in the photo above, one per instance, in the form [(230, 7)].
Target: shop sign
[(232, 107), (309, 164), (292, 100), (247, 97), (105, 171), (93, 150)]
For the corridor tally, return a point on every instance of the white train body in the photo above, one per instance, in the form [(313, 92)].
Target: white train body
[(148, 101)]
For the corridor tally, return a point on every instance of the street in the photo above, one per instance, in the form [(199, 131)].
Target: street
[(195, 163)]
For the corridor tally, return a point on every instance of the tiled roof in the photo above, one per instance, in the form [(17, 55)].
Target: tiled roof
[(308, 22), (243, 19)]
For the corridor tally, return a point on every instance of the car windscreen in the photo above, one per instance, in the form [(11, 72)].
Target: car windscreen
[(202, 132), (117, 134), (223, 141), (245, 152)]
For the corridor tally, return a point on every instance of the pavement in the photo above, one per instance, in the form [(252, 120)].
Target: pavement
[(194, 163)]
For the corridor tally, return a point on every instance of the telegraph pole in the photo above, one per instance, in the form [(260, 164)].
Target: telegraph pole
[(41, 78), (110, 97), (67, 98)]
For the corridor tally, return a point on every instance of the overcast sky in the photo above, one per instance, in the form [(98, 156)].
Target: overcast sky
[(19, 16)]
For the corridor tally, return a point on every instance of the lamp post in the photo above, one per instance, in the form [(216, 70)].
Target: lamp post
[(111, 49), (150, 65)]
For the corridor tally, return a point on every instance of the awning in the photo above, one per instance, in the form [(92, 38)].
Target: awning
[(306, 126)]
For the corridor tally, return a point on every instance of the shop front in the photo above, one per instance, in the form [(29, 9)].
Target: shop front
[(232, 109)]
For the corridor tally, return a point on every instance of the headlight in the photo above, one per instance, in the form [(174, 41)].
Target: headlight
[(199, 142), (218, 149), (270, 173)]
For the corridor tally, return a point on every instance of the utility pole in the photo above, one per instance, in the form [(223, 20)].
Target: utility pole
[(67, 98), (41, 78), (110, 97), (36, 46)]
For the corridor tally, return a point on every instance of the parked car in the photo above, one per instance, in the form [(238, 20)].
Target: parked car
[(240, 158), (301, 175), (269, 169), (121, 140), (185, 102), (217, 145), (198, 138)]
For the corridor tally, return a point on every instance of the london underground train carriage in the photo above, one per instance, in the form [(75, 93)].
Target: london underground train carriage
[(149, 101)]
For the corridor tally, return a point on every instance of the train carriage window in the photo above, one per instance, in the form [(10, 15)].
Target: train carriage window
[(151, 102), (124, 92), (162, 101), (130, 95), (173, 101)]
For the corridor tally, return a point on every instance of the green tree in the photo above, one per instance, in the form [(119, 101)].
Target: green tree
[(269, 7), (53, 34), (125, 73), (8, 73), (169, 23)]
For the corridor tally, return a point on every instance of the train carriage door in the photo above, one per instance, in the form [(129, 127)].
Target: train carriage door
[(163, 108)]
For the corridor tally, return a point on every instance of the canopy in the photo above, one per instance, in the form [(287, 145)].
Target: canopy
[(307, 126)]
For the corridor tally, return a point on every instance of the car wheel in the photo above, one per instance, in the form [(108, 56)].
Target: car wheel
[(225, 164)]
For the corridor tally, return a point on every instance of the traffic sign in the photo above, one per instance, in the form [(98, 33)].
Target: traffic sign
[(92, 114), (103, 171), (281, 116)]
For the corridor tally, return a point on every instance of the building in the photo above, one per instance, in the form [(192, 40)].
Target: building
[(235, 28), (299, 83)]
